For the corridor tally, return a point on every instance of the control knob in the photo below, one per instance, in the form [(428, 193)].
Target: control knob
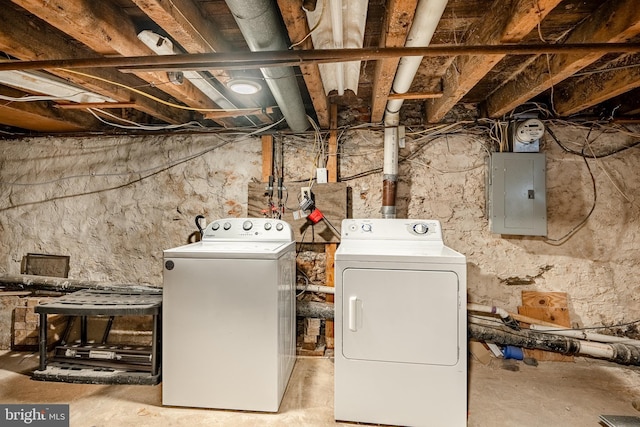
[(420, 228), (279, 226), (267, 226), (246, 226), (215, 226), (366, 228), (227, 225)]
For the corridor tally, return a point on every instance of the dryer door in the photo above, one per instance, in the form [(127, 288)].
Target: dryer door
[(406, 316)]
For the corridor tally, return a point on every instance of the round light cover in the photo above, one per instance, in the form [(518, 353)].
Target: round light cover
[(244, 87)]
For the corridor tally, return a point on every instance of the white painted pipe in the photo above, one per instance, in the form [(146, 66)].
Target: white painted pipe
[(596, 349), (427, 16), (317, 288), (425, 22), (585, 335), (488, 309)]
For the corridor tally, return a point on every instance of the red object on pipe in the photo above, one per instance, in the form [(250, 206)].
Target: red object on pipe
[(315, 216)]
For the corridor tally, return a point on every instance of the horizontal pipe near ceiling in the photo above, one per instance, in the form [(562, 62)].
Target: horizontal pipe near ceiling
[(209, 61)]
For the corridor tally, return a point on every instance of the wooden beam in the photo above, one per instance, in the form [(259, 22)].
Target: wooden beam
[(296, 22), (184, 22), (416, 95), (108, 30), (524, 16), (614, 21), (396, 26), (39, 116), (330, 248), (101, 105), (467, 71), (594, 89), (31, 39), (267, 157), (330, 254)]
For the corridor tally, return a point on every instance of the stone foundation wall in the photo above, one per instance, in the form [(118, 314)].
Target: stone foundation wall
[(114, 203)]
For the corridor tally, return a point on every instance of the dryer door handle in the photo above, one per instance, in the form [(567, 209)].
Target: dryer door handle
[(353, 314)]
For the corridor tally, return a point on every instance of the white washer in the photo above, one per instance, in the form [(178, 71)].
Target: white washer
[(400, 325), (228, 338)]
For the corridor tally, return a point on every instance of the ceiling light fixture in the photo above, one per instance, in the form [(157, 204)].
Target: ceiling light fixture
[(244, 86), (163, 46)]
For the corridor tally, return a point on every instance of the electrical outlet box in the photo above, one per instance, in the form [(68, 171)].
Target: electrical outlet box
[(517, 194), (305, 193), (322, 175)]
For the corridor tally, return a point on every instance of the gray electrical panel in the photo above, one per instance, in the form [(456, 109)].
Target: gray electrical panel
[(517, 194)]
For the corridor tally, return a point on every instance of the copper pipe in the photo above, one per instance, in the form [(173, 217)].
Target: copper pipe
[(389, 192)]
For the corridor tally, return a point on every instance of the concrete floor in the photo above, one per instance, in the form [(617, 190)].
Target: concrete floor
[(551, 394)]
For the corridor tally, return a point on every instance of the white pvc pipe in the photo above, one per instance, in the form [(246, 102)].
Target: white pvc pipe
[(426, 18), (488, 309), (425, 22), (317, 288), (596, 349)]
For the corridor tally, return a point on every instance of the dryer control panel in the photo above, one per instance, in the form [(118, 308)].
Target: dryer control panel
[(392, 229), (267, 229)]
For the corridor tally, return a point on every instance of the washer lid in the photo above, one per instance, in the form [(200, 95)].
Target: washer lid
[(231, 249)]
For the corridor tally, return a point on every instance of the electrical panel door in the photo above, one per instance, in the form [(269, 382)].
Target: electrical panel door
[(517, 194)]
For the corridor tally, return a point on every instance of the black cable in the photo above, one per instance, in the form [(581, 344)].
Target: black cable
[(335, 230), (593, 207), (126, 184), (595, 156)]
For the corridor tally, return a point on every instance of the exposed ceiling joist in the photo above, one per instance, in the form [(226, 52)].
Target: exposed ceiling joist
[(395, 28), (39, 115), (467, 71), (596, 88), (107, 29), (524, 16), (614, 21), (184, 22), (35, 40), (486, 57)]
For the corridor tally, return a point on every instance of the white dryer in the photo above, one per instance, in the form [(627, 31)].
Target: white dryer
[(229, 339), (400, 325)]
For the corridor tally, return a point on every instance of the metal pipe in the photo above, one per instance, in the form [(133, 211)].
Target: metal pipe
[(259, 24), (585, 335), (281, 58), (616, 352)]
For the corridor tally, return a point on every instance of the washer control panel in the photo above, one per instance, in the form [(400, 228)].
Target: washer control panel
[(248, 229), (391, 229)]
